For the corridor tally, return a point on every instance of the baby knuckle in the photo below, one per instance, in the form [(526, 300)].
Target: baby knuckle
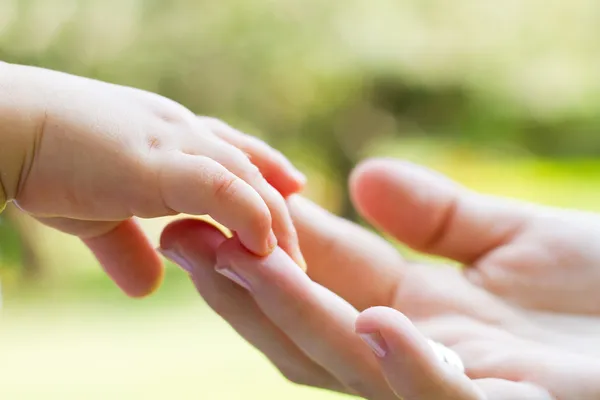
[(225, 186), (250, 172), (213, 123), (263, 148), (253, 173), (177, 120), (153, 142), (261, 219), (238, 155)]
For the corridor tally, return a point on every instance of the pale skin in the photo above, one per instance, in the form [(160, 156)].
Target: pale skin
[(85, 157), (523, 313)]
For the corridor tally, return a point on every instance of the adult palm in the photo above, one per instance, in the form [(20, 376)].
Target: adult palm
[(520, 260)]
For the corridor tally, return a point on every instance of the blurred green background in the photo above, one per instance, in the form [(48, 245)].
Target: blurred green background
[(504, 97)]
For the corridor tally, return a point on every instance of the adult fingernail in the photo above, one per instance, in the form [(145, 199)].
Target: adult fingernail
[(376, 342), (178, 258), (233, 276), (446, 355)]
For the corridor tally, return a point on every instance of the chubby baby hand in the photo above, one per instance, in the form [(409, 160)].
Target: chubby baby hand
[(85, 156)]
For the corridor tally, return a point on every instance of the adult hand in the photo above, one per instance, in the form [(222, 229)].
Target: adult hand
[(308, 331)]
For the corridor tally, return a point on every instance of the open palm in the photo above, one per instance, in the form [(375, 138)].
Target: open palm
[(520, 259)]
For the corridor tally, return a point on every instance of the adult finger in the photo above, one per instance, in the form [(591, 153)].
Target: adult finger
[(236, 162), (501, 389), (367, 271), (192, 245), (559, 372), (356, 264), (319, 322), (415, 372), (273, 165), (410, 364), (430, 213), (123, 250)]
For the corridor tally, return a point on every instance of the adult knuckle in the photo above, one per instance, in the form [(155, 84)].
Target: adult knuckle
[(361, 386), (220, 305), (295, 374), (495, 277), (330, 246)]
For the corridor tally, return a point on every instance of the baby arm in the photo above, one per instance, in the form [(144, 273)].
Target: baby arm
[(85, 157)]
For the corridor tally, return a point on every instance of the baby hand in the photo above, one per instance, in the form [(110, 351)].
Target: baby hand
[(85, 157)]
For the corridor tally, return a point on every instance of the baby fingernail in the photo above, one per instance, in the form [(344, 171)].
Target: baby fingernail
[(272, 241), (233, 276), (177, 258), (376, 343), (301, 261), (299, 176)]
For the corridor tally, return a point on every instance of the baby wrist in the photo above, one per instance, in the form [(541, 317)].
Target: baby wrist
[(18, 120)]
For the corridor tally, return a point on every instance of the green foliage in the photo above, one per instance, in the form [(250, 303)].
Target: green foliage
[(299, 70), (503, 97), (10, 244), (332, 82)]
